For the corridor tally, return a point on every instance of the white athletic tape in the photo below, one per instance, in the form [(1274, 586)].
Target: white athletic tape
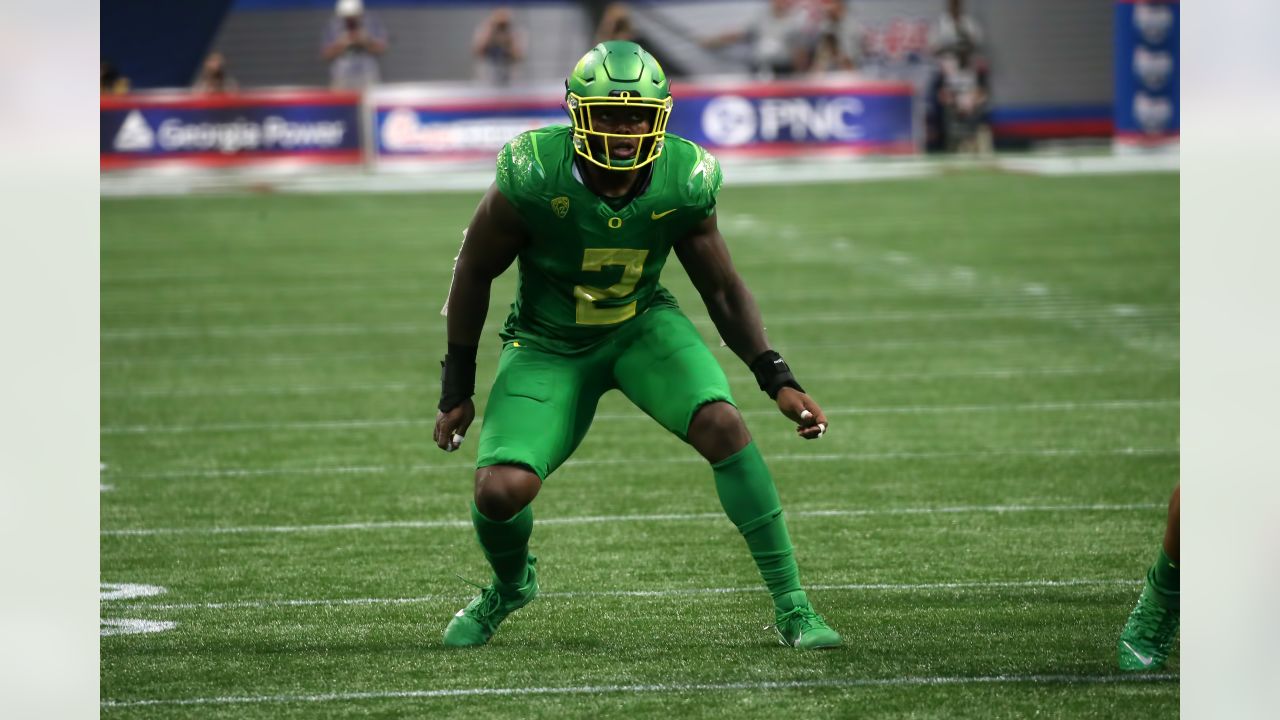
[(457, 441), (805, 414)]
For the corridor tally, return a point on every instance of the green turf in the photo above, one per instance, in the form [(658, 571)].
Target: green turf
[(998, 354)]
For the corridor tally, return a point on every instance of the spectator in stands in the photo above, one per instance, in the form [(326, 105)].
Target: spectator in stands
[(111, 81), (776, 36), (955, 40), (616, 24), (213, 77), (498, 48), (828, 56), (352, 44), (838, 42), (962, 96), (953, 29)]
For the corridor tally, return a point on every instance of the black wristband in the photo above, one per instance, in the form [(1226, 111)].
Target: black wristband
[(457, 376), (772, 374)]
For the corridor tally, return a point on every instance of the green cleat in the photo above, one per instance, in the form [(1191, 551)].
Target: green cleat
[(1149, 634), (802, 627), (475, 624)]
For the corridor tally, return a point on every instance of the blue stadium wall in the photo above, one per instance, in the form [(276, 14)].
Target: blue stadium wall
[(159, 44)]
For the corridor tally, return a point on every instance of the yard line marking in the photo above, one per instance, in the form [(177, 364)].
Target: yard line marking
[(998, 373), (661, 688), (671, 592), (213, 390), (419, 353), (460, 467), (895, 316), (380, 298), (260, 359), (356, 423), (132, 626), (655, 517), (270, 275)]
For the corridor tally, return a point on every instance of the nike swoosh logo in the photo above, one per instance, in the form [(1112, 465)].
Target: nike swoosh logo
[(1144, 659), (656, 216)]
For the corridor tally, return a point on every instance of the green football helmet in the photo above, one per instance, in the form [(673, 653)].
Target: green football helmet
[(619, 78)]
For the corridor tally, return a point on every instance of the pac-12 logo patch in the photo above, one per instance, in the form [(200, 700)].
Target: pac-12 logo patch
[(561, 206)]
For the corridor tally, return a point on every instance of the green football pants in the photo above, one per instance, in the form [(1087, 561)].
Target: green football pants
[(542, 403)]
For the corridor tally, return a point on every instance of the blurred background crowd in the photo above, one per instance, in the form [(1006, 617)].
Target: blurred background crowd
[(261, 43), (1032, 70)]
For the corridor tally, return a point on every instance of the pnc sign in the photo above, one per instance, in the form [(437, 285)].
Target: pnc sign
[(732, 120)]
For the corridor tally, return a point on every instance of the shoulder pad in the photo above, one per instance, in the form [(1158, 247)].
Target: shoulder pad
[(700, 175), (519, 169)]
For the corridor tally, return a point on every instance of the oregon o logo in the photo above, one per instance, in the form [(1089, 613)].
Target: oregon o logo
[(615, 222)]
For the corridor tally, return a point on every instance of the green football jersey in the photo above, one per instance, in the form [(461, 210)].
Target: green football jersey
[(589, 269)]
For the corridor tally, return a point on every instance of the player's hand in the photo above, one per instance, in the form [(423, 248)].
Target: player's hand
[(451, 427), (811, 421)]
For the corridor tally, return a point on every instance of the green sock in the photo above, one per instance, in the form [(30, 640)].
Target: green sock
[(750, 499), (505, 544), (1164, 577)]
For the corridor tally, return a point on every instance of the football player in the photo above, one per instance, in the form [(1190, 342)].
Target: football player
[(1152, 628), (591, 212)]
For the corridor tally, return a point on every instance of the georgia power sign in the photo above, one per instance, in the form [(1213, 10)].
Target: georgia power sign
[(220, 129)]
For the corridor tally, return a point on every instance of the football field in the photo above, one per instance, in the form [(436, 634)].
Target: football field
[(997, 353)]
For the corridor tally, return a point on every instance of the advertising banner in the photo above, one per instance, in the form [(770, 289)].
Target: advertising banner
[(1146, 69), (433, 127), (746, 118), (788, 119), (229, 130)]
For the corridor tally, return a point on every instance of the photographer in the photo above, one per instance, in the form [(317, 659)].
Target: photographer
[(498, 47), (352, 44)]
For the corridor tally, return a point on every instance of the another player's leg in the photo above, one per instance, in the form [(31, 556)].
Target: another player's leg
[(670, 374), (1152, 628), (750, 499), (538, 411)]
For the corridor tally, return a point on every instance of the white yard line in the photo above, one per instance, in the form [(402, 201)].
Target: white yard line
[(597, 519), (1169, 314), (418, 354), (360, 423), (670, 592), (652, 689), (691, 458), (309, 389), (381, 298), (229, 390)]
